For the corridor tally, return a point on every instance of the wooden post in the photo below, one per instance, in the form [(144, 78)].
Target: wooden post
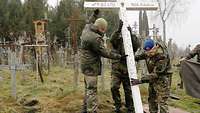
[(102, 73), (103, 67), (13, 73)]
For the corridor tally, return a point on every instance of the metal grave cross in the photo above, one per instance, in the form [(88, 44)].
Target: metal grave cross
[(122, 6)]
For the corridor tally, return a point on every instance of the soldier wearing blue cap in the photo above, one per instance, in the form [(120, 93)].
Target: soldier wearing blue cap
[(148, 44), (158, 65)]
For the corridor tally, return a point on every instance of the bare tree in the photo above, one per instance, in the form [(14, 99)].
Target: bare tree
[(170, 9)]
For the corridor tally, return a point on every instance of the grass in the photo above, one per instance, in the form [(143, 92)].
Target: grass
[(186, 102), (60, 95)]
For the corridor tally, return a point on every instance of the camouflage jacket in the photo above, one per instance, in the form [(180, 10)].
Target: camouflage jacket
[(119, 66), (194, 52), (158, 63), (92, 48)]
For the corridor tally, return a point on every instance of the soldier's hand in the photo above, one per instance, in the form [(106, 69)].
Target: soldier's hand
[(120, 25), (182, 59), (129, 28), (123, 57), (135, 82), (96, 12), (145, 79), (136, 58)]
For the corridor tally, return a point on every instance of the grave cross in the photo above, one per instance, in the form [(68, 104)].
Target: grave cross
[(73, 27), (74, 22), (122, 6), (13, 66)]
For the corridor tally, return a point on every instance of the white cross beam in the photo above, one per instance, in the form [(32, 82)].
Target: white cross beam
[(123, 6), (117, 5)]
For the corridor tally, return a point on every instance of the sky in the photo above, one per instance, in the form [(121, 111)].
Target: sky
[(188, 32), (53, 2), (185, 32)]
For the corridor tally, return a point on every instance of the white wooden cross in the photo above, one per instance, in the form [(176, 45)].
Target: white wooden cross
[(123, 6), (13, 66)]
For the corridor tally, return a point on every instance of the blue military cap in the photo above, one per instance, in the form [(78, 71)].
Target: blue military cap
[(148, 44)]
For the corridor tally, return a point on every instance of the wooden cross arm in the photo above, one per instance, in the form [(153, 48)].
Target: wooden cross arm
[(36, 45), (72, 19)]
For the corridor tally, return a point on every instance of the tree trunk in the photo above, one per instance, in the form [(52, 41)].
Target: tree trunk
[(164, 31)]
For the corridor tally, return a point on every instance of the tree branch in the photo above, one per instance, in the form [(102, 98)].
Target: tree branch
[(165, 8), (171, 9), (160, 9)]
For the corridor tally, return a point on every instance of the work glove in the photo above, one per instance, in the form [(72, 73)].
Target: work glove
[(129, 29), (94, 16), (123, 57), (137, 58), (96, 12), (144, 80), (120, 26), (135, 82)]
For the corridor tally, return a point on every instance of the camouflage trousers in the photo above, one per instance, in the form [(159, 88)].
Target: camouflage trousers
[(159, 90), (117, 80), (90, 99)]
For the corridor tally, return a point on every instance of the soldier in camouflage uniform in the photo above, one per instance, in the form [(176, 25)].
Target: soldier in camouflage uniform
[(158, 64), (92, 49), (119, 74), (193, 53)]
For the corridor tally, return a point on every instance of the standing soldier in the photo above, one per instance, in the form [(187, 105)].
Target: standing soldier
[(119, 72), (158, 64), (189, 55), (92, 49), (187, 50), (193, 53)]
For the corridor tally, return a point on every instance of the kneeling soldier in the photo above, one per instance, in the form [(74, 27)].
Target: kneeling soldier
[(158, 64)]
